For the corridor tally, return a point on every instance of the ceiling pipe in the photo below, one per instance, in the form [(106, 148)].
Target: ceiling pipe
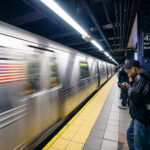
[(120, 24), (128, 30), (91, 15), (126, 17), (37, 6), (123, 50), (126, 20), (110, 22), (135, 7), (127, 10), (123, 26), (27, 18), (117, 21)]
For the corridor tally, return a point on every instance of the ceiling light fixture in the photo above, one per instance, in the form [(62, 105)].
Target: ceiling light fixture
[(60, 12), (97, 45), (106, 54), (110, 57)]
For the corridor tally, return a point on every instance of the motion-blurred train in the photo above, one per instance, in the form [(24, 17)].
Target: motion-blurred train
[(41, 83)]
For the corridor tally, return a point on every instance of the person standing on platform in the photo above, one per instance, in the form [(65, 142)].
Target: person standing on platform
[(123, 79), (138, 133), (118, 70)]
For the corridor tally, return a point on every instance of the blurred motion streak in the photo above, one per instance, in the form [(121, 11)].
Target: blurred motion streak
[(11, 72)]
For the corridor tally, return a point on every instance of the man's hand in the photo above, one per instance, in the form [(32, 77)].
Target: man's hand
[(124, 85), (119, 84)]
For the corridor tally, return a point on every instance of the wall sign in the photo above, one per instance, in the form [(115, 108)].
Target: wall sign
[(146, 45)]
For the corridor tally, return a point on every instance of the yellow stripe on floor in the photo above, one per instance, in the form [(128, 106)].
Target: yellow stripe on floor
[(75, 133)]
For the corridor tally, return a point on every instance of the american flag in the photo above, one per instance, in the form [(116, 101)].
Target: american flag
[(11, 71)]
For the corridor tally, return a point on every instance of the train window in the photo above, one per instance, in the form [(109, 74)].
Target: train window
[(32, 83), (103, 68), (53, 73), (96, 68), (84, 71)]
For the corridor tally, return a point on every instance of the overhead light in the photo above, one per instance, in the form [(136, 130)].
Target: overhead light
[(97, 45), (106, 54), (107, 26), (87, 38), (110, 57), (60, 12), (115, 62)]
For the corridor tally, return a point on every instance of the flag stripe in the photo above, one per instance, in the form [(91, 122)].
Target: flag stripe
[(12, 80), (12, 72)]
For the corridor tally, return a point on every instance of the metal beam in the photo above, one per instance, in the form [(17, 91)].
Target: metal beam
[(41, 9), (112, 38), (95, 1), (34, 16), (95, 52), (122, 50), (91, 15), (87, 48), (115, 45), (120, 57), (107, 26), (101, 40), (80, 43), (77, 43), (62, 35)]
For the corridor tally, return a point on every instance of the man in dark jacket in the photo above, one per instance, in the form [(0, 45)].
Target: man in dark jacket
[(123, 78), (138, 133)]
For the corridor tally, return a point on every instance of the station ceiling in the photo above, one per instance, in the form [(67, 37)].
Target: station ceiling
[(108, 21)]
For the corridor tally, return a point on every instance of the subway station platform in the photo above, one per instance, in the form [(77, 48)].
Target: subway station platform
[(99, 125)]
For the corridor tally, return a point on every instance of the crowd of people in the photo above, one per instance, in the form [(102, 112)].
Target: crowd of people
[(134, 83)]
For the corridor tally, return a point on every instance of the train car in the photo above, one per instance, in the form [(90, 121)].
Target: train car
[(41, 83)]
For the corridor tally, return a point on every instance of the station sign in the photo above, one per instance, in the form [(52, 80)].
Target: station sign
[(146, 45)]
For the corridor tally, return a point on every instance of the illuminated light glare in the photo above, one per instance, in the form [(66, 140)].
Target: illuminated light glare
[(9, 42), (97, 45), (12, 42), (16, 44), (106, 54), (135, 56), (60, 12), (110, 57)]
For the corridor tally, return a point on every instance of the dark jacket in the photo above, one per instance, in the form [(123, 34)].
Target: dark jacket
[(139, 97), (123, 77)]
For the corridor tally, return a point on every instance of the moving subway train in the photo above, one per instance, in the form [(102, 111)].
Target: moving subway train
[(41, 82)]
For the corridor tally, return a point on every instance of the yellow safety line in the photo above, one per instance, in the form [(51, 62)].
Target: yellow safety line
[(77, 114)]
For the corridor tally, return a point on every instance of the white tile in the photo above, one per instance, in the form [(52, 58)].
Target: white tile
[(111, 128), (109, 145), (111, 136), (113, 122)]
